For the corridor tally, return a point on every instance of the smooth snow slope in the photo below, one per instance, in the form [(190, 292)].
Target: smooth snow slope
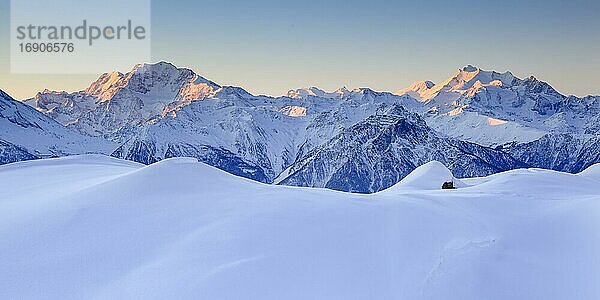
[(92, 227)]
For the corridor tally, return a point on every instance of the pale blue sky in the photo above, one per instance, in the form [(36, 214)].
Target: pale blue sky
[(269, 47)]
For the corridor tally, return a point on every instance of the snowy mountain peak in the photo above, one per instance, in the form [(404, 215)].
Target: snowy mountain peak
[(117, 101), (303, 92), (105, 87), (155, 67), (342, 91), (143, 78), (470, 68), (164, 73), (417, 89), (462, 81), (316, 92), (466, 77)]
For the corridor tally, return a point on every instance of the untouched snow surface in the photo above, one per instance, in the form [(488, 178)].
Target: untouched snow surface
[(92, 227)]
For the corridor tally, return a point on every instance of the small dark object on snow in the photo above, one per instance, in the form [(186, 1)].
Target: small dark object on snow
[(448, 185)]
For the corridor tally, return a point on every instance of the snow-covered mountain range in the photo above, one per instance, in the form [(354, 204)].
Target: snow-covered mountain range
[(377, 152), (514, 109), (28, 134), (477, 122)]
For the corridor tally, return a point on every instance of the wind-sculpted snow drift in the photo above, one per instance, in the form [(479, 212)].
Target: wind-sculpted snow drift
[(94, 227)]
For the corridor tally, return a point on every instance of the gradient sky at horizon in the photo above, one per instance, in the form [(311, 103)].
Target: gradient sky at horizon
[(269, 47)]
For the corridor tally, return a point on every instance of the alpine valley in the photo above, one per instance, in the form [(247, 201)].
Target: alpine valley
[(476, 123)]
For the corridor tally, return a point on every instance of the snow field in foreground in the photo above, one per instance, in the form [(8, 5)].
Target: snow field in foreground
[(95, 227)]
